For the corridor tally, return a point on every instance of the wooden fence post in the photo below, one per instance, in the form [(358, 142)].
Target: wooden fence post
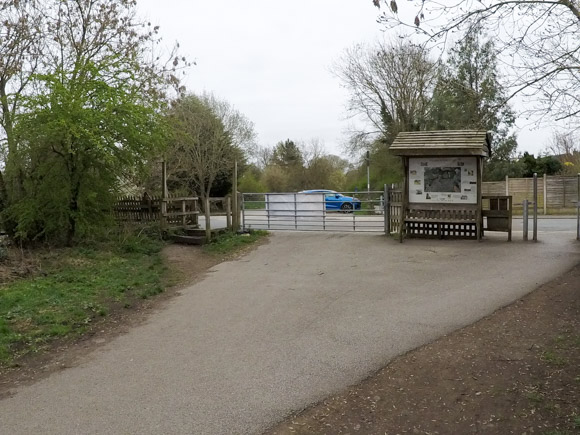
[(507, 185), (235, 205), (387, 209), (163, 195), (545, 194), (183, 217), (207, 221), (229, 212)]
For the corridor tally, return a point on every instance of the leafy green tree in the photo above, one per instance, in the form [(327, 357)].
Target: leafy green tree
[(287, 154), (385, 168), (469, 95), (289, 158), (276, 179), (566, 148), (90, 115), (76, 139), (548, 165), (326, 172), (250, 181)]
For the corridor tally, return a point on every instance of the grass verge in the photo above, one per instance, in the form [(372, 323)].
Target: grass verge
[(76, 287), (230, 243)]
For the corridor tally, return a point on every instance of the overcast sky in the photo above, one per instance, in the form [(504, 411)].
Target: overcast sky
[(272, 61)]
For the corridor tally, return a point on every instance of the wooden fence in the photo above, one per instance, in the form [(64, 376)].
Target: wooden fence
[(395, 209), (554, 192), (180, 211)]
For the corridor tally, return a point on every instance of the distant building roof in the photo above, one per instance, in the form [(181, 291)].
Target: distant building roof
[(442, 143)]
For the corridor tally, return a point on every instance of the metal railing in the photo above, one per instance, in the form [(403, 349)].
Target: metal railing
[(526, 203), (298, 211)]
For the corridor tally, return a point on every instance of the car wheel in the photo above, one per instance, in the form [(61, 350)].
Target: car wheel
[(346, 207)]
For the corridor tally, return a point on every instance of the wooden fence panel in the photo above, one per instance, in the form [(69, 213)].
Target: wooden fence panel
[(493, 188), (561, 191), (148, 210)]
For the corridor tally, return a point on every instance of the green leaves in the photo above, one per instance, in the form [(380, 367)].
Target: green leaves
[(90, 118)]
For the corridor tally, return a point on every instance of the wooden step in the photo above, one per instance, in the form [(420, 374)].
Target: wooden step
[(189, 240), (195, 236), (201, 232)]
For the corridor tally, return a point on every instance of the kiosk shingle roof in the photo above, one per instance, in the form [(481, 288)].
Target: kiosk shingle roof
[(442, 143)]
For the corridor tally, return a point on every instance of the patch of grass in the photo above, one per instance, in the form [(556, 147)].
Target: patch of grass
[(254, 205), (229, 243), (78, 287), (535, 397), (551, 358)]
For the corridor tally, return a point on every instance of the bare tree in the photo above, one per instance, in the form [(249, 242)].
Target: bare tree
[(390, 86), (20, 44), (237, 125), (565, 146), (312, 150), (200, 148), (539, 42), (263, 156)]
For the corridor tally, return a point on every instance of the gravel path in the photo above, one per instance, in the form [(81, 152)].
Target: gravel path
[(299, 318)]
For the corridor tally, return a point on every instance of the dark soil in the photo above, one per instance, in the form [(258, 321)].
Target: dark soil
[(514, 372)]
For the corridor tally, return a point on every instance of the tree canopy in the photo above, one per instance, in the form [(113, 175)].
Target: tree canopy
[(81, 93), (539, 42), (200, 149)]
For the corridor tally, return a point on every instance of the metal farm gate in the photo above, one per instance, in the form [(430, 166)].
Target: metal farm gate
[(320, 211)]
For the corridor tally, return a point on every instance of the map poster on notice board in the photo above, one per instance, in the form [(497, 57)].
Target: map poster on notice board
[(443, 179)]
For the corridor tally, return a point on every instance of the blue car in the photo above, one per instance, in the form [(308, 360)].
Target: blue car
[(337, 201)]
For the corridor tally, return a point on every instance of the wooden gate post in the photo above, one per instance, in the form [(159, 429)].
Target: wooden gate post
[(387, 209), (164, 195), (207, 221), (545, 194), (235, 204), (183, 216), (229, 212)]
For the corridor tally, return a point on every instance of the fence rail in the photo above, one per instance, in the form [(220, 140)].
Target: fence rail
[(144, 210), (319, 211), (554, 192)]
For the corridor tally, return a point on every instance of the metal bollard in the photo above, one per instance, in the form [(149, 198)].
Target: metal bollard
[(578, 211), (525, 219), (535, 231)]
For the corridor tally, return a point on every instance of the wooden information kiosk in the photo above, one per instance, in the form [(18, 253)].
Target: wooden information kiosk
[(442, 189)]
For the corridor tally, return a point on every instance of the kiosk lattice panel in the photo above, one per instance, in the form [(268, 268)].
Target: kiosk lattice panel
[(441, 230)]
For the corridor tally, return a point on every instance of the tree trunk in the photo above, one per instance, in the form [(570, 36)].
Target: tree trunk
[(73, 212), (206, 208)]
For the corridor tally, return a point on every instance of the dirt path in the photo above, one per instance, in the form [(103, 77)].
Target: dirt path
[(516, 371)]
